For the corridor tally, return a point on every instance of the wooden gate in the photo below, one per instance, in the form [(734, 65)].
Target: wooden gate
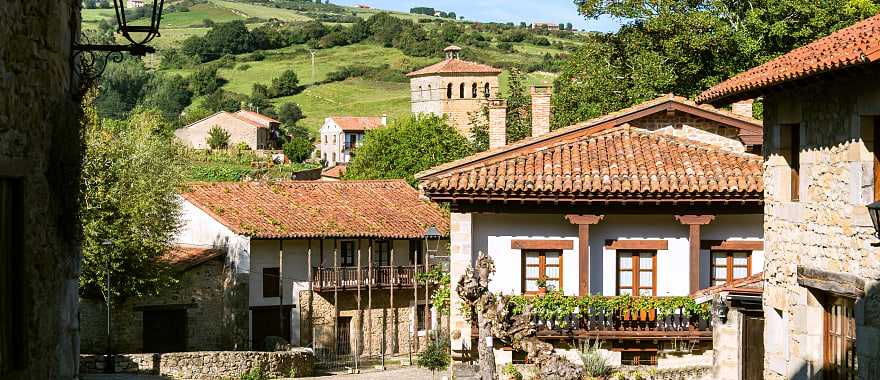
[(267, 321), (753, 347), (343, 336), (164, 330)]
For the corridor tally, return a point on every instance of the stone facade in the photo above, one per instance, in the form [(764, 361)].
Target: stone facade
[(694, 128), (216, 316), (208, 365), (497, 123), (432, 95), (40, 154), (196, 135), (827, 229)]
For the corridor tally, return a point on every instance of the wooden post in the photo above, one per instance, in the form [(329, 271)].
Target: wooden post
[(415, 324), (694, 222), (427, 297), (281, 289), (311, 296), (360, 317), (369, 329), (583, 222), (335, 272), (393, 312)]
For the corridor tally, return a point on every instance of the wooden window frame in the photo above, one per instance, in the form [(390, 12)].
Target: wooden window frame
[(542, 267), (271, 289), (636, 269), (840, 337), (729, 264), (347, 258), (378, 253)]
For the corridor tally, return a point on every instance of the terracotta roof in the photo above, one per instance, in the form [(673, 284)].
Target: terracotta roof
[(357, 124), (335, 172), (183, 257), (751, 129), (304, 209), (455, 65), (751, 284), (617, 162), (224, 119), (856, 45), (258, 117)]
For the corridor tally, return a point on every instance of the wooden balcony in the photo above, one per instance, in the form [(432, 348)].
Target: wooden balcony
[(345, 278)]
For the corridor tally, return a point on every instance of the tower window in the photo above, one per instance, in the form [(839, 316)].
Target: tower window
[(449, 91), (461, 91), (474, 90), (486, 90)]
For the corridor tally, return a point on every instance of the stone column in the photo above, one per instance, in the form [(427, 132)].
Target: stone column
[(541, 109), (583, 222), (460, 238), (497, 123), (694, 222)]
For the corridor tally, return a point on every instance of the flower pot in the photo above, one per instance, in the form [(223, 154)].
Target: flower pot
[(643, 315)]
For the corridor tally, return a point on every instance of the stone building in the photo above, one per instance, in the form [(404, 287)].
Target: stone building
[(321, 260), (821, 108), (660, 199), (201, 312), (453, 88), (256, 130), (40, 154)]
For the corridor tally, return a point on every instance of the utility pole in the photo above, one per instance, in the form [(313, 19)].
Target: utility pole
[(109, 362), (314, 80)]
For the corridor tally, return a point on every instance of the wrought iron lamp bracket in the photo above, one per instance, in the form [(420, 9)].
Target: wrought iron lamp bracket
[(91, 60)]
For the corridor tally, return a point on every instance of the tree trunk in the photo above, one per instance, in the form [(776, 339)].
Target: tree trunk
[(487, 356)]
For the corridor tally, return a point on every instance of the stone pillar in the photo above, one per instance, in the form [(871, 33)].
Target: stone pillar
[(583, 222), (541, 109), (497, 123), (694, 222), (743, 107), (461, 256)]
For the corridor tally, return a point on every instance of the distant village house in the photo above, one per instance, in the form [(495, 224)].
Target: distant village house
[(256, 130), (342, 135)]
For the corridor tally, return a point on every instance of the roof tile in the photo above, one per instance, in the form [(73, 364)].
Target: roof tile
[(455, 66)]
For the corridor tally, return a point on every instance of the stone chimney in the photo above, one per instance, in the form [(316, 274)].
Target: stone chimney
[(541, 109), (497, 123), (743, 107), (384, 119)]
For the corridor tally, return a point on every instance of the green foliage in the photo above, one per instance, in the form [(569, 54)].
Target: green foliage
[(406, 147), (285, 84), (596, 365), (556, 306), (298, 149), (205, 81), (479, 122), (224, 38), (259, 99), (519, 107), (511, 372), (289, 113), (128, 194), (122, 87), (194, 114), (218, 138), (168, 94), (254, 374), (435, 356), (440, 279), (223, 101)]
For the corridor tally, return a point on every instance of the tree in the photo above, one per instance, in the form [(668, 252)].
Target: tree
[(122, 87), (218, 138), (435, 356), (169, 94), (298, 149), (259, 99), (406, 147), (205, 81), (289, 113), (89, 4), (569, 27), (223, 101), (130, 180), (519, 107), (285, 84)]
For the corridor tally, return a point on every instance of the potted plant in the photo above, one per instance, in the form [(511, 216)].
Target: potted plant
[(510, 372), (542, 286)]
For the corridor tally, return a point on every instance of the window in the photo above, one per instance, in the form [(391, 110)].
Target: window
[(334, 139), (461, 91), (449, 91), (11, 329), (420, 95), (334, 157), (545, 265), (421, 318), (789, 147), (486, 90), (347, 254), (730, 265), (429, 92), (637, 273), (325, 139), (840, 339), (474, 90), (271, 282), (871, 137), (416, 252), (381, 253)]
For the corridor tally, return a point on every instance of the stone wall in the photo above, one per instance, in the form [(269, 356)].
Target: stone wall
[(827, 229), (207, 365), (40, 150), (694, 128), (456, 108), (216, 316)]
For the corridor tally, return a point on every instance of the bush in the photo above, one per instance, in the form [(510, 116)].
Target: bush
[(218, 138), (243, 67), (595, 364), (242, 146), (510, 371), (205, 81), (436, 355), (505, 46), (285, 84), (253, 374), (289, 113), (257, 56), (298, 149)]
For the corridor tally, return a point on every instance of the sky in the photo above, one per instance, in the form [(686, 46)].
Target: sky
[(556, 11)]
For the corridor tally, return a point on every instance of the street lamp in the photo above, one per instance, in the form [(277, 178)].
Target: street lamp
[(109, 365), (874, 212)]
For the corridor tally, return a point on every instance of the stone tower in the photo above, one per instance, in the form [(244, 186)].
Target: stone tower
[(454, 88)]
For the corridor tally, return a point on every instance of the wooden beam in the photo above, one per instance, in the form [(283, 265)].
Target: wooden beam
[(732, 245), (637, 244), (843, 284), (583, 222), (548, 244), (694, 222)]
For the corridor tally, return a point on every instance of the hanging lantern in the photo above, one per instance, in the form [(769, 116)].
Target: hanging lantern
[(139, 35), (874, 212)]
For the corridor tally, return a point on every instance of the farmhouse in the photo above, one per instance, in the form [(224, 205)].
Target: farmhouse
[(822, 128), (661, 199), (342, 135), (256, 130)]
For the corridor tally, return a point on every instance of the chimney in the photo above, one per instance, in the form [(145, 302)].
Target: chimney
[(497, 123), (743, 108), (541, 109), (384, 119)]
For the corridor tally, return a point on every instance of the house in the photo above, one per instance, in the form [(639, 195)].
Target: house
[(545, 25), (315, 258), (363, 6), (342, 135), (256, 130), (334, 173), (821, 107), (135, 3), (660, 199), (198, 313), (453, 88)]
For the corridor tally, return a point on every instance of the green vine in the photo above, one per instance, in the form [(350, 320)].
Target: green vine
[(440, 297), (556, 306)]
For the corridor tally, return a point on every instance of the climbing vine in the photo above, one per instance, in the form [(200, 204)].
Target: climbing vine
[(440, 297), (556, 306)]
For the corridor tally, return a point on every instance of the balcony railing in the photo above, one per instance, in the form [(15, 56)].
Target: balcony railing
[(342, 278)]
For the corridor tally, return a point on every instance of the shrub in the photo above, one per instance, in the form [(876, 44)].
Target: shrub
[(285, 84), (595, 364), (253, 374), (436, 355), (298, 149), (242, 146), (289, 113), (257, 56), (243, 67), (218, 138), (205, 81), (511, 372)]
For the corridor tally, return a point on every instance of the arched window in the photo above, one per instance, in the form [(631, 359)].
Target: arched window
[(420, 96), (449, 91), (486, 90), (474, 90), (429, 92), (461, 91)]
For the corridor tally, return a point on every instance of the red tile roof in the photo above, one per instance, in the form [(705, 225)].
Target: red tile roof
[(357, 124), (618, 162), (184, 257), (258, 117), (753, 283), (455, 66), (335, 172), (856, 45), (304, 209), (225, 119)]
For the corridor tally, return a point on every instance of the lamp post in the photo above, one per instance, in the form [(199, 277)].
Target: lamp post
[(109, 365), (874, 212)]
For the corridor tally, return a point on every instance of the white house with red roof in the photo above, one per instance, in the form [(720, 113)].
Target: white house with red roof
[(256, 130), (341, 135)]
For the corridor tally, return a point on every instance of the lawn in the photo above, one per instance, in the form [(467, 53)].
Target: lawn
[(195, 17), (253, 10)]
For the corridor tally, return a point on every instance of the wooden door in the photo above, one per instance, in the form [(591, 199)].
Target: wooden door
[(165, 330), (840, 339), (267, 321), (343, 336), (753, 347)]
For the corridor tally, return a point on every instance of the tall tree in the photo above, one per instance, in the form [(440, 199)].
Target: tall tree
[(519, 104)]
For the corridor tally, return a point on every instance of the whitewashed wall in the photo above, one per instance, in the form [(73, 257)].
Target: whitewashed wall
[(493, 233), (200, 229)]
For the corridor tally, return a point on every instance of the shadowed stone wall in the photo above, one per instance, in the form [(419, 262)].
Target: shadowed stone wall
[(208, 365)]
